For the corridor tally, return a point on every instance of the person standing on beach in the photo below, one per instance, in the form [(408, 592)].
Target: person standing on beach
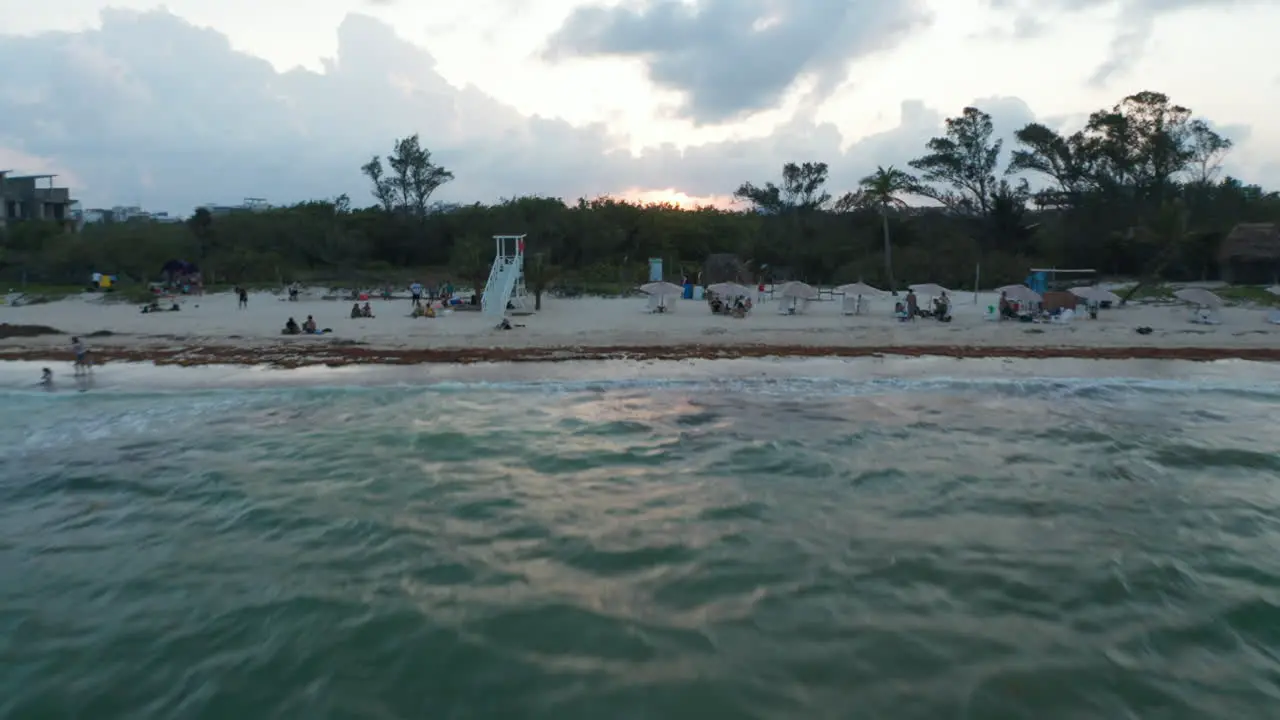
[(415, 290), (82, 355), (244, 298)]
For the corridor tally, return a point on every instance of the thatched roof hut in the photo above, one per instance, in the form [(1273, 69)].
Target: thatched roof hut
[(1251, 254)]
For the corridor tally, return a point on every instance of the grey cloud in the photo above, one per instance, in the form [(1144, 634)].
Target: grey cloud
[(1135, 24), (153, 110), (731, 58)]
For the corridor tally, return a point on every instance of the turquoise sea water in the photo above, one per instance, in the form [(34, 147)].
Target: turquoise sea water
[(748, 539)]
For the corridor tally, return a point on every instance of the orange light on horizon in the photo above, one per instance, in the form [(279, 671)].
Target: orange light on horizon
[(671, 196)]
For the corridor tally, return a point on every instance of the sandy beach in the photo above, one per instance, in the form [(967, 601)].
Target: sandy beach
[(212, 329)]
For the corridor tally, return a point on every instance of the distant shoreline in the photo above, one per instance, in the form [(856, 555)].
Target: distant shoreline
[(288, 355)]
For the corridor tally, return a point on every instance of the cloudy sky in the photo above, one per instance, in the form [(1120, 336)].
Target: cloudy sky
[(200, 101)]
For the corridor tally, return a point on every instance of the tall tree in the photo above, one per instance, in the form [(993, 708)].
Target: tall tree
[(1141, 145), (383, 191), (791, 207), (1066, 161), (959, 170), (1207, 151), (412, 180), (803, 188), (881, 190)]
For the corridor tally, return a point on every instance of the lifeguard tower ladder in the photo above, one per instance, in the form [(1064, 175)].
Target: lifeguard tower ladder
[(506, 278)]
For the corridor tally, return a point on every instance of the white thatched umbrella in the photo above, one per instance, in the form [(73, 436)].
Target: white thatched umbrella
[(730, 290), (660, 293), (1095, 294), (797, 295), (1200, 297), (1020, 294), (662, 289), (860, 289), (930, 290), (853, 294)]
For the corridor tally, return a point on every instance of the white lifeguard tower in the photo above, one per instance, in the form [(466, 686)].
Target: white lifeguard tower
[(506, 279)]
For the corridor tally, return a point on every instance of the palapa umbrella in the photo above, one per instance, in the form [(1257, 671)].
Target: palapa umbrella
[(930, 289), (663, 289), (858, 288), (796, 296), (1095, 294), (853, 294), (729, 290), (798, 291), (1020, 294), (1199, 296)]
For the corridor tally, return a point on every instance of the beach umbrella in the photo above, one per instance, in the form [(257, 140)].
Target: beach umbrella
[(1020, 293), (859, 289), (930, 289), (1199, 296), (1095, 294), (663, 289), (729, 290), (798, 291)]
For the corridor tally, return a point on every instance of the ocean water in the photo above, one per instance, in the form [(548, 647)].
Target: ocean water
[(733, 539)]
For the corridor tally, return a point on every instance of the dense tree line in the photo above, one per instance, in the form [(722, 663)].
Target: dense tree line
[(1137, 191)]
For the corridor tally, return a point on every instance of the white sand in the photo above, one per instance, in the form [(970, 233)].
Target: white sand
[(215, 320)]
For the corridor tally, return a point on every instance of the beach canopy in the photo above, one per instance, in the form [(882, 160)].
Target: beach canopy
[(1095, 294), (730, 290), (859, 289), (663, 289), (798, 291), (1274, 289), (1199, 296), (929, 289), (1020, 293)]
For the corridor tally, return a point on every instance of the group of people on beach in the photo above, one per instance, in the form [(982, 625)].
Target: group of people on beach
[(909, 308), (309, 327), (82, 364)]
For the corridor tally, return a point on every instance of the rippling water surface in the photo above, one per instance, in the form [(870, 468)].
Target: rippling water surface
[(870, 539)]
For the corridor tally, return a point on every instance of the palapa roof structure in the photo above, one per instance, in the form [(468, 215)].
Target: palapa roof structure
[(1251, 242)]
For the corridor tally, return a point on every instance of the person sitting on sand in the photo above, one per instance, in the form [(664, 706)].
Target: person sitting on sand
[(46, 377), (366, 311), (151, 307), (309, 326), (355, 312), (291, 328), (942, 308)]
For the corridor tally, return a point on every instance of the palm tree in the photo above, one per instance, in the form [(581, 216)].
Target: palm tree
[(880, 190)]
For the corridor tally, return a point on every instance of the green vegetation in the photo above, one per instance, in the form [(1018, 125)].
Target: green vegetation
[(1135, 192)]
